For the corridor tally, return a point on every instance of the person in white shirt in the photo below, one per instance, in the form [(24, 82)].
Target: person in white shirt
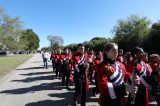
[(45, 56)]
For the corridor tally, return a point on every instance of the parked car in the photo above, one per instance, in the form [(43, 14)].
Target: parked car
[(2, 53)]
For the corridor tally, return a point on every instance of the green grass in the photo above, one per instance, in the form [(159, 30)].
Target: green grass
[(8, 63)]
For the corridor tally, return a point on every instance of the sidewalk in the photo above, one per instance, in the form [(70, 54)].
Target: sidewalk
[(31, 85)]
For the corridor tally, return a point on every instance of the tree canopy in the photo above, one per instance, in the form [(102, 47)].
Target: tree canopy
[(29, 39), (55, 41), (131, 32), (12, 33)]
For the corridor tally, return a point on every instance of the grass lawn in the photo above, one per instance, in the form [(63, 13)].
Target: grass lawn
[(8, 63)]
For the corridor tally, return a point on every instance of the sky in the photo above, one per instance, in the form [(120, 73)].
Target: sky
[(77, 20)]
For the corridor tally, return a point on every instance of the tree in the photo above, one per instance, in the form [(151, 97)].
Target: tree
[(10, 30), (97, 38), (72, 46), (55, 41), (152, 41), (29, 40), (97, 43), (45, 48), (131, 32)]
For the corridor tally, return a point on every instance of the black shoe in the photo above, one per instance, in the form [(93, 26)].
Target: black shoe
[(83, 104), (75, 103), (93, 93), (63, 84), (68, 88), (91, 81)]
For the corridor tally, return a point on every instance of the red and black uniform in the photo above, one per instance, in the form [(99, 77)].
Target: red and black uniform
[(66, 67), (142, 69), (80, 77), (91, 57), (58, 64), (96, 61), (111, 76), (71, 74), (147, 83), (53, 57)]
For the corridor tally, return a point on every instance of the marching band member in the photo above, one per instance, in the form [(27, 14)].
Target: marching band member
[(112, 77), (80, 64)]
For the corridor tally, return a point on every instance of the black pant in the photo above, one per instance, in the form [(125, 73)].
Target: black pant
[(140, 98), (80, 87), (53, 65), (57, 69), (106, 101), (65, 76), (90, 73), (157, 97), (96, 89)]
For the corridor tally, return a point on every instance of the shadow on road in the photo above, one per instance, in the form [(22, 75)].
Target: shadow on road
[(36, 73), (43, 86), (49, 66), (30, 68), (31, 79), (66, 99), (62, 102)]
